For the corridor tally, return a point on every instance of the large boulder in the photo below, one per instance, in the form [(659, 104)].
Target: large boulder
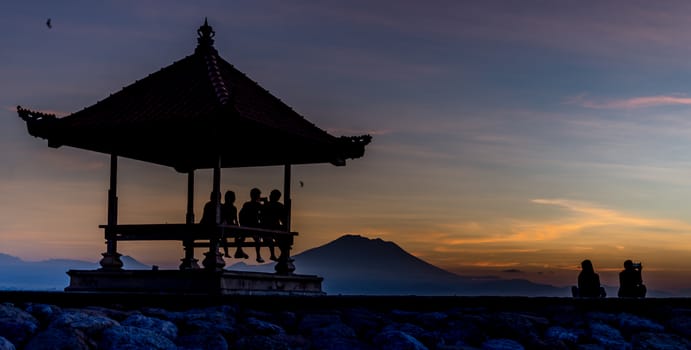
[(335, 336), (16, 325), (59, 339), (134, 338), (502, 344), (202, 340), (166, 328), (214, 319), (6, 344), (658, 341), (397, 340), (92, 323), (607, 336)]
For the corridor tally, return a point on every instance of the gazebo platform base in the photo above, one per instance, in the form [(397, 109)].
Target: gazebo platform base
[(198, 282)]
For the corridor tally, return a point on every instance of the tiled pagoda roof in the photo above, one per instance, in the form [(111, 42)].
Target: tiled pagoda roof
[(187, 114)]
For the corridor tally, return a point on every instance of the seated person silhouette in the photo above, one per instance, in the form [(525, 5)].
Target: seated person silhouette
[(630, 281), (250, 216), (209, 213), (274, 218), (588, 283), (229, 216)]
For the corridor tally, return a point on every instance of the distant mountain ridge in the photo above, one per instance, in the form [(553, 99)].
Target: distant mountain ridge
[(353, 264), (51, 274), (350, 265), (356, 265)]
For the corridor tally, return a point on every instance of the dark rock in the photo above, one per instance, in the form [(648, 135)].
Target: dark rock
[(608, 337), (117, 315), (404, 315), (165, 328), (162, 314), (133, 338), (588, 326), (202, 341), (631, 324), (568, 336), (397, 340), (591, 347), (6, 344), (521, 327), (335, 336), (262, 315), (297, 342), (91, 322), (216, 319), (681, 325), (502, 344), (469, 330), (59, 339), (365, 323), (312, 321), (431, 319), (659, 341), (429, 338), (43, 312), (261, 342), (259, 327), (16, 325), (288, 320), (567, 316), (601, 317)]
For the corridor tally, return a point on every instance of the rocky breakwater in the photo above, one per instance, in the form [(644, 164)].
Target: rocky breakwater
[(346, 323)]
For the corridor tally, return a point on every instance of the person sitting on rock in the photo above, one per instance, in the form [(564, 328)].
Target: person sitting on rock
[(588, 283), (630, 281)]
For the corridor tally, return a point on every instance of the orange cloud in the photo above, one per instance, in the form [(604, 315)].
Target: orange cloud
[(493, 264), (631, 103)]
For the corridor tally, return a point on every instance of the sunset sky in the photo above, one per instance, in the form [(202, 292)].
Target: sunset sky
[(510, 138)]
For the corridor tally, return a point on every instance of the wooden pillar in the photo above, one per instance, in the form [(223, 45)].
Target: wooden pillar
[(287, 202), (214, 259), (189, 217), (111, 258), (285, 266), (189, 262)]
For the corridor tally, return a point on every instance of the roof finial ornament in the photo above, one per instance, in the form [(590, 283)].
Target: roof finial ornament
[(206, 34)]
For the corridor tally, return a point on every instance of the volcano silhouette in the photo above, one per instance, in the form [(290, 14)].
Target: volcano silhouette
[(356, 265)]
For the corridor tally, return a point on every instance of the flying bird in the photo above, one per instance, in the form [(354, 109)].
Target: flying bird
[(302, 184), (48, 24)]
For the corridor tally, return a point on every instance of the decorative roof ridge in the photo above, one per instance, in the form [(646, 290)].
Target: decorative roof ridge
[(216, 79), (29, 115), (205, 47), (357, 140)]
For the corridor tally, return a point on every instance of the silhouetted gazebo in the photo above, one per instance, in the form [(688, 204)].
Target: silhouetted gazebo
[(198, 113)]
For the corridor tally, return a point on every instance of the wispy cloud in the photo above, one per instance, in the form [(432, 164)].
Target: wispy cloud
[(590, 216), (579, 218), (630, 103)]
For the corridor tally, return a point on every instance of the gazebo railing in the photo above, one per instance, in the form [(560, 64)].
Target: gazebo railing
[(203, 235)]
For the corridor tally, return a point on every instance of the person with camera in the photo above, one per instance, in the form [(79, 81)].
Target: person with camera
[(630, 281)]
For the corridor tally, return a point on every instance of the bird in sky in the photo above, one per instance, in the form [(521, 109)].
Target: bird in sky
[(302, 184), (49, 24)]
